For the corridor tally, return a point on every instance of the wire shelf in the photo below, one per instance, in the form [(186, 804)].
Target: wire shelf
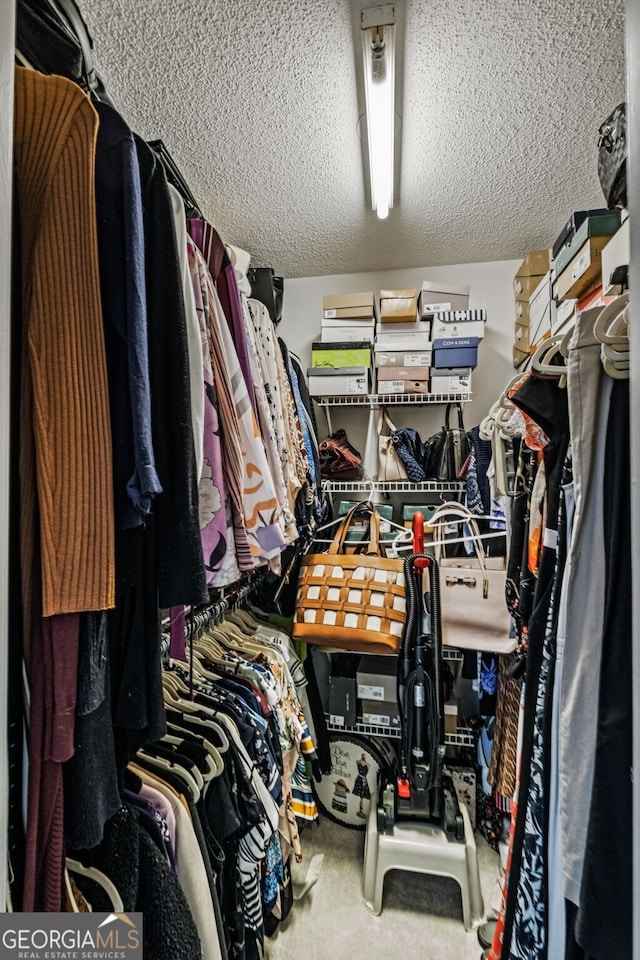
[(392, 486), (386, 399), (463, 738)]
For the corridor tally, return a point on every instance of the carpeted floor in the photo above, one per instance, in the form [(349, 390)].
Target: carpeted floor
[(421, 916)]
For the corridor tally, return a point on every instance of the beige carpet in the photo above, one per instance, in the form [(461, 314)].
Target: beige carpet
[(421, 916)]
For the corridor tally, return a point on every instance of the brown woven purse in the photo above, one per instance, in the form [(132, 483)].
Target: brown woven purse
[(351, 601)]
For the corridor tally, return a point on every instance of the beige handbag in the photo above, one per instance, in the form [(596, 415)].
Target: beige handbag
[(390, 466), (351, 601), (472, 589)]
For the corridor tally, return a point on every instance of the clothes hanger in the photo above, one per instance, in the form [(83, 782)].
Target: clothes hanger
[(205, 718), (172, 741), (545, 352), (548, 349), (612, 323), (163, 763), (615, 363), (92, 873), (242, 619), (214, 761)]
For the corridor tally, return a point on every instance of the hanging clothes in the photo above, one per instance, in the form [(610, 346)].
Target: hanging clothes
[(67, 521), (545, 402), (65, 394), (216, 512), (124, 308), (181, 576), (604, 925)]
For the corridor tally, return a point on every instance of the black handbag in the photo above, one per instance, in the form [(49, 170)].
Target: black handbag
[(612, 157), (445, 452), (268, 289)]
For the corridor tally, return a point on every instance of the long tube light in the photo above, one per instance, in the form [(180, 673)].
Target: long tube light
[(378, 49)]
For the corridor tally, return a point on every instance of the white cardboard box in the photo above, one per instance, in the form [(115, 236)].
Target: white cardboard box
[(565, 315), (339, 385), (405, 326), (348, 334), (446, 381), (470, 328), (400, 358), (409, 342), (441, 295), (540, 309), (353, 322)]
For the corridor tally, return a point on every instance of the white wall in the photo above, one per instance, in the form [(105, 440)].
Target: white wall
[(491, 288)]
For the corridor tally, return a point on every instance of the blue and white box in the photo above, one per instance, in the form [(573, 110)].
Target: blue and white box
[(456, 352)]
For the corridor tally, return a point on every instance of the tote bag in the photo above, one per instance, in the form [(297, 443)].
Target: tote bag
[(472, 590), (390, 466), (351, 601)]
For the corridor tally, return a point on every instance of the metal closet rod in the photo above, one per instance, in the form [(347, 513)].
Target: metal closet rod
[(228, 598)]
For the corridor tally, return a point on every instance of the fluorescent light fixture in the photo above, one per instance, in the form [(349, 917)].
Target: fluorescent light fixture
[(378, 50)]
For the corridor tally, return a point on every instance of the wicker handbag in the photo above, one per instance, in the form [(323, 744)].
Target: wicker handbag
[(352, 601)]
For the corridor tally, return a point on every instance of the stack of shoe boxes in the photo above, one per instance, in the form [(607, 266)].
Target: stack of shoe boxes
[(532, 291), (341, 361), (582, 267), (456, 335), (402, 349), (445, 306)]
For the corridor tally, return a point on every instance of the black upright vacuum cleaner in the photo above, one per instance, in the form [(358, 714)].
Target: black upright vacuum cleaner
[(420, 791)]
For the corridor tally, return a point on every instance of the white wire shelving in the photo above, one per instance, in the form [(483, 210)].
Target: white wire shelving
[(391, 486), (463, 737), (395, 399)]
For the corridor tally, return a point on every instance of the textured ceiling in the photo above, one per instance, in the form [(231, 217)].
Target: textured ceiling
[(258, 103)]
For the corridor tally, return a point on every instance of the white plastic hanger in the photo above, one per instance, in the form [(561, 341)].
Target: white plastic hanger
[(611, 326), (74, 866), (540, 361)]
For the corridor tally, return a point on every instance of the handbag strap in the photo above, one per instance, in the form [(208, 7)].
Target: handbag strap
[(438, 522), (337, 545), (386, 426), (460, 420)]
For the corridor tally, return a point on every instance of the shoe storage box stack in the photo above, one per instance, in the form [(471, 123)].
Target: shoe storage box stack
[(432, 349), (577, 266), (341, 361), (533, 303), (402, 351), (455, 334), (585, 254), (340, 369)]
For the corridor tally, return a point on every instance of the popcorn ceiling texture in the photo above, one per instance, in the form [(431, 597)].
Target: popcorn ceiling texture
[(257, 102)]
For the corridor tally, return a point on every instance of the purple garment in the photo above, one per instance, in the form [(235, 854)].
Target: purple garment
[(227, 287), (216, 533), (177, 644), (157, 824)]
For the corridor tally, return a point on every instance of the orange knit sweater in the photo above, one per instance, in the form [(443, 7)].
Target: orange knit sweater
[(65, 378)]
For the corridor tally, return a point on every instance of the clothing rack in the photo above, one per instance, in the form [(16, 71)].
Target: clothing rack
[(197, 618)]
